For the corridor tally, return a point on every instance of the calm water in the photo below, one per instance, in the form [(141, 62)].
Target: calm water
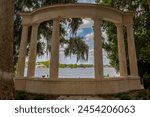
[(74, 73)]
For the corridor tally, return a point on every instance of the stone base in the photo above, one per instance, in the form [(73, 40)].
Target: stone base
[(77, 86)]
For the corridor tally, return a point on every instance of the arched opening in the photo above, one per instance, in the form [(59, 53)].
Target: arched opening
[(79, 64)]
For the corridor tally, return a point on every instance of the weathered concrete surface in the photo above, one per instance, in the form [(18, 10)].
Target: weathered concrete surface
[(77, 86)]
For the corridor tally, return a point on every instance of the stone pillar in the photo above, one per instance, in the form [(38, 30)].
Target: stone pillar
[(121, 51), (54, 61), (98, 55), (22, 51), (33, 51), (131, 50)]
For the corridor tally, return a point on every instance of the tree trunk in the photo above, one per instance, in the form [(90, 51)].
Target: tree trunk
[(148, 3), (6, 49)]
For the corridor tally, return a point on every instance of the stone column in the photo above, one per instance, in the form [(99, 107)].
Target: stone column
[(121, 51), (54, 61), (98, 55), (131, 50), (33, 51), (22, 51)]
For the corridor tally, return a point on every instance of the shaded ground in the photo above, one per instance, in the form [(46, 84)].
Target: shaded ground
[(132, 95)]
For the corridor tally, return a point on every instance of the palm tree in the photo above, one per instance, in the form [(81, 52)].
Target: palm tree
[(74, 24), (77, 46), (45, 29), (6, 52)]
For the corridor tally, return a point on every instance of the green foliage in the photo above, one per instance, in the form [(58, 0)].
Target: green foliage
[(39, 97), (77, 46), (45, 28), (146, 75), (46, 63), (134, 95), (72, 65), (111, 45), (21, 95), (106, 2), (75, 23), (143, 94), (124, 97), (144, 54), (146, 81), (141, 29), (62, 65)]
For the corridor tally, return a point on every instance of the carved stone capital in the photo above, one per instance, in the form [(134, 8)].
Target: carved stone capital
[(35, 25), (98, 20), (119, 25), (57, 19)]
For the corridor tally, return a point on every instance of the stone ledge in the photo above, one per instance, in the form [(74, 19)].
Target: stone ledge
[(77, 87)]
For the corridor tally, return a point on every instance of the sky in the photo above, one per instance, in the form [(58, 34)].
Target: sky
[(85, 31), (86, 1)]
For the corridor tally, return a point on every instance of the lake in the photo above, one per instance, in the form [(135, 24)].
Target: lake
[(75, 72)]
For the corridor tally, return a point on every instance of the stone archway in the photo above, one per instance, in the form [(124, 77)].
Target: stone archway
[(97, 13)]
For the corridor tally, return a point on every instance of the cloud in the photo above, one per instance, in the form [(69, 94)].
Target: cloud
[(91, 50), (91, 53), (72, 60), (61, 49), (105, 36), (89, 36), (86, 1), (87, 23), (105, 58), (80, 31)]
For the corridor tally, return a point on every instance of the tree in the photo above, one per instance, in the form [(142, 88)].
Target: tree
[(74, 25), (148, 3), (77, 46), (6, 49), (45, 28), (141, 29)]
